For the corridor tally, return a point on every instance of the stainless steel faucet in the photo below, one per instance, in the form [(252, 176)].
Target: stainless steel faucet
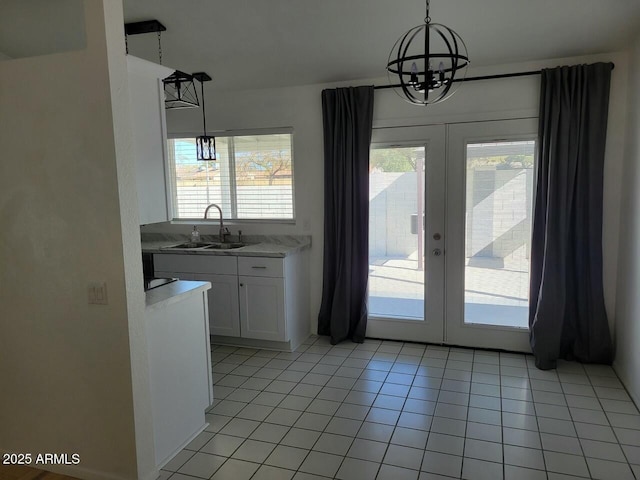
[(223, 231)]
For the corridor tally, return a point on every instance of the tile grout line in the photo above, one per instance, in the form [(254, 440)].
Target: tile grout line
[(305, 411), (574, 423), (405, 398), (542, 450)]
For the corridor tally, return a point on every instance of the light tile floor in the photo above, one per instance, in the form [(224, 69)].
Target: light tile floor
[(392, 410)]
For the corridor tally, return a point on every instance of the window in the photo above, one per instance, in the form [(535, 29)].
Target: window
[(396, 234), (251, 180), (498, 232)]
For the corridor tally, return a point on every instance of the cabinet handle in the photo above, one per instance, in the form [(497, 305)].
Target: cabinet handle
[(262, 268), (242, 284)]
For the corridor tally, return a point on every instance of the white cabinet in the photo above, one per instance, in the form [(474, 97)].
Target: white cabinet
[(224, 313), (252, 300), (148, 125), (262, 266), (262, 312), (262, 298), (221, 272)]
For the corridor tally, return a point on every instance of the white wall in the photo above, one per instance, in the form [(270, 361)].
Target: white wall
[(69, 218), (129, 221), (627, 363), (41, 27), (300, 108)]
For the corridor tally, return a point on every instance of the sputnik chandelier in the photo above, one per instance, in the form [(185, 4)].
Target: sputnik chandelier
[(426, 62)]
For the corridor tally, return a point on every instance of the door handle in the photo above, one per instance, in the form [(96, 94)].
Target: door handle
[(437, 252)]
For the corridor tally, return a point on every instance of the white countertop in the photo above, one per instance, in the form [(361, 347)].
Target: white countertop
[(272, 246), (174, 292)]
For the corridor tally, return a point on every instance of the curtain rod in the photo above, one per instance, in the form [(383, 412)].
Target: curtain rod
[(484, 77)]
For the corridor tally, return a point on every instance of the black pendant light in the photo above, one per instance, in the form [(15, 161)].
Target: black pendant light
[(205, 144), (180, 91), (426, 62)]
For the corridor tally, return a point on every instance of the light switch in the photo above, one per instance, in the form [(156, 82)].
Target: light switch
[(97, 293)]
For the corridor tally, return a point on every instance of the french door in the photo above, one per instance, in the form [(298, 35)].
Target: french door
[(450, 226), (490, 190), (406, 220)]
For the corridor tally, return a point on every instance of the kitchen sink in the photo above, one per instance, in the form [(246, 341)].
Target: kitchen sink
[(190, 245), (225, 246), (206, 245)]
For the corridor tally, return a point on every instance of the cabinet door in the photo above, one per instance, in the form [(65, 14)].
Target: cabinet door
[(224, 317), (262, 308), (224, 313)]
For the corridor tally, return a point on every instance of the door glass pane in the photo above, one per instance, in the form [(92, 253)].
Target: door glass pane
[(499, 195), (396, 232)]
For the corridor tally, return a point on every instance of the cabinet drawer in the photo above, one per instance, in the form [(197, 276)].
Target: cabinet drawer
[(261, 266), (222, 265)]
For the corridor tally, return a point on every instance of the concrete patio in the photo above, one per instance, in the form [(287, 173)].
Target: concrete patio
[(496, 290)]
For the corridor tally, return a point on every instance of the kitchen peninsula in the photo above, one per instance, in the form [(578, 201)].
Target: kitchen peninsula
[(176, 317)]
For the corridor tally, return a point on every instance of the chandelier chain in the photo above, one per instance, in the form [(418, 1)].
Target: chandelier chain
[(427, 19), (160, 47)]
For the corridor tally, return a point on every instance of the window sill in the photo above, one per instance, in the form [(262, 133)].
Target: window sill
[(229, 221)]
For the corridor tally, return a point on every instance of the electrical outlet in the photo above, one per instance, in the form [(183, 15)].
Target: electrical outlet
[(97, 293), (306, 225)]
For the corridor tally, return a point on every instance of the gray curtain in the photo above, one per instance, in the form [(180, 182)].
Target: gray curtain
[(347, 115), (567, 317)]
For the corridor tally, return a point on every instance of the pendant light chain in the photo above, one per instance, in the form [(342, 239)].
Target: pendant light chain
[(204, 116), (144, 27), (427, 19)]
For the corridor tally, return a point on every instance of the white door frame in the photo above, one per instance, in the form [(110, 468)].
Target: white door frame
[(456, 331), (430, 329)]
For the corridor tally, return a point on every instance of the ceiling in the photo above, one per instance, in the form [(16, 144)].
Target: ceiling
[(257, 43), (273, 43)]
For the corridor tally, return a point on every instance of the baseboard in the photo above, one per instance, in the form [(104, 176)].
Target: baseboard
[(153, 475), (198, 431), (252, 343), (624, 378)]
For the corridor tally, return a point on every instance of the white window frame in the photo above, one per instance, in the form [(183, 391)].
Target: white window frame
[(172, 189)]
